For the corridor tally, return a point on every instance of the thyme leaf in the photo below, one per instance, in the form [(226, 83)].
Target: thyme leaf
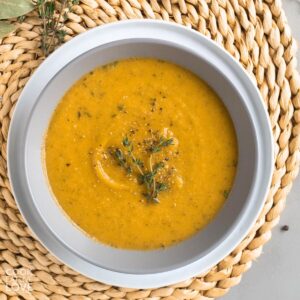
[(121, 160), (161, 143)]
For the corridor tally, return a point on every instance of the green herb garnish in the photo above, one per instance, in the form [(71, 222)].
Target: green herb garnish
[(147, 177), (121, 107), (53, 17), (226, 193), (161, 143), (121, 159)]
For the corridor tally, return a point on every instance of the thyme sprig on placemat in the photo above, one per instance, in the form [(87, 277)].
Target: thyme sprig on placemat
[(147, 177), (52, 13), (53, 17)]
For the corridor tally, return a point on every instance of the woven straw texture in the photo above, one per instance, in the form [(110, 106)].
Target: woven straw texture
[(256, 34)]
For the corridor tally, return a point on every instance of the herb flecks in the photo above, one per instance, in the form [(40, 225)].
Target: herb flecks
[(148, 177), (121, 107), (83, 112), (226, 193)]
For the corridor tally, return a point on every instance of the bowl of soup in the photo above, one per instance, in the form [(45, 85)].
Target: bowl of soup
[(140, 153)]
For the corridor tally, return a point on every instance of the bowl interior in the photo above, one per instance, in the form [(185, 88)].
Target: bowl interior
[(129, 261)]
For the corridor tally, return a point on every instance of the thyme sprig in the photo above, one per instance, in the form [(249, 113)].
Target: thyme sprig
[(121, 159), (153, 187), (128, 161), (136, 161), (161, 143), (53, 17)]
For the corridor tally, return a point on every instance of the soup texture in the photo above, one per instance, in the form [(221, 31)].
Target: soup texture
[(140, 154)]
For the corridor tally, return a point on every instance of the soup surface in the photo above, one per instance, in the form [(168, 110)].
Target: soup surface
[(141, 154)]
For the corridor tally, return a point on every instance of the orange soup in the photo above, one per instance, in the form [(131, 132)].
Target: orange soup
[(141, 154)]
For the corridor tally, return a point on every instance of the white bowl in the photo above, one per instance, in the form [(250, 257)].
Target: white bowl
[(140, 269)]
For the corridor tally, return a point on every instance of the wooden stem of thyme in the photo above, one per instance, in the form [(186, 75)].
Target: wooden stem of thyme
[(56, 26), (137, 165)]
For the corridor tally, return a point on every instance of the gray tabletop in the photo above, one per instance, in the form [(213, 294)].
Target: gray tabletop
[(276, 273)]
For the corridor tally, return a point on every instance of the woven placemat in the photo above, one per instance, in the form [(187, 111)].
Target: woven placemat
[(256, 34)]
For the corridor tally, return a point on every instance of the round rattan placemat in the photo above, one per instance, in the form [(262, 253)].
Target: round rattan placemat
[(255, 33)]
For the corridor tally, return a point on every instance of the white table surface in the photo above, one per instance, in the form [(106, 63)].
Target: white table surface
[(276, 273)]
